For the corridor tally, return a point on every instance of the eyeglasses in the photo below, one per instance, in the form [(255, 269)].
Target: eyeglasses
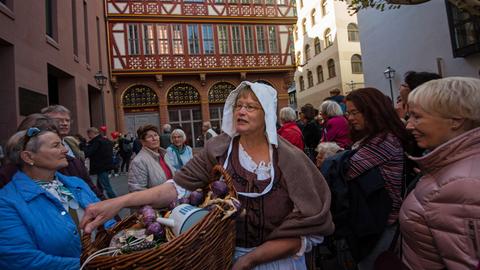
[(351, 113), (248, 107), (31, 132)]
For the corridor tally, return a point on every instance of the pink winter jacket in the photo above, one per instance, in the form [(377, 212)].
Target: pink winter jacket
[(440, 218)]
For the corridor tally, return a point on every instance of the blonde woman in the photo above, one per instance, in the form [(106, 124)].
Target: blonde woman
[(439, 219)]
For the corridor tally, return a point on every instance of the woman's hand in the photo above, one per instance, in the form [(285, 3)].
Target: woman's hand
[(98, 213), (243, 263), (320, 159)]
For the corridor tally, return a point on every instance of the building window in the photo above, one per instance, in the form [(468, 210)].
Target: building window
[(219, 92), (356, 64), (133, 43), (312, 16), (177, 40), (310, 79), (207, 35), (74, 26), (281, 2), (193, 39), (304, 26), (272, 39), (302, 83), (148, 39), (222, 32), (87, 41), (298, 58), (307, 52), (139, 96), (249, 45), (183, 94), (353, 32), (50, 18), (260, 39), (331, 68), (323, 5), (269, 2), (464, 31), (162, 36), (317, 45), (328, 38), (320, 74), (236, 40)]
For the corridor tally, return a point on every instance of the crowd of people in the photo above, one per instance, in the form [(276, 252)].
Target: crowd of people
[(359, 171)]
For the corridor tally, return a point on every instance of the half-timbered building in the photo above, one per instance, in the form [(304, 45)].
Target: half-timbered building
[(176, 61)]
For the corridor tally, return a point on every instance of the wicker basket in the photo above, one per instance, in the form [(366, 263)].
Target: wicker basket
[(207, 245)]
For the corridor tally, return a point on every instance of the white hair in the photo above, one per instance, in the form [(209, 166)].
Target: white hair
[(287, 114), (179, 132), (453, 97), (328, 149), (330, 108)]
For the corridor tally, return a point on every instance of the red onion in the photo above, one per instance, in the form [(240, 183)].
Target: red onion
[(156, 229), (196, 197), (219, 189)]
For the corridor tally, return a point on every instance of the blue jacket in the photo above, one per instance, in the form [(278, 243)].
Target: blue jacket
[(35, 230)]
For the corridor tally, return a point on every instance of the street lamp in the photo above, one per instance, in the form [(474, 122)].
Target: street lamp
[(101, 82), (389, 75), (100, 79)]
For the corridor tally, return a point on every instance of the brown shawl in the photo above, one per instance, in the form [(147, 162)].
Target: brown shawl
[(306, 186)]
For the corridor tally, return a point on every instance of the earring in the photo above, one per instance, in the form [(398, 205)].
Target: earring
[(31, 163)]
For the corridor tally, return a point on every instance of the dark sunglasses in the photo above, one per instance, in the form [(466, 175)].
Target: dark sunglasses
[(31, 132)]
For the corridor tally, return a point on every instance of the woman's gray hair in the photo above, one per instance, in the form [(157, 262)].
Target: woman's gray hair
[(453, 97), (287, 114), (16, 144), (328, 149), (330, 108), (179, 132)]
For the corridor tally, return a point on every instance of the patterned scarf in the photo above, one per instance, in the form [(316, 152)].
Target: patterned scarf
[(179, 152)]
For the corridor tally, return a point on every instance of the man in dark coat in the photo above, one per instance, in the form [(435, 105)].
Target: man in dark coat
[(165, 136), (100, 152)]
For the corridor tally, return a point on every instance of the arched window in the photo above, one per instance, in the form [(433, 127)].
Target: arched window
[(219, 92), (298, 58), (320, 74), (353, 32), (312, 16), (356, 64), (304, 26), (265, 82), (331, 68), (310, 79), (323, 5), (139, 96), (307, 52), (183, 94), (302, 83), (328, 38), (316, 42)]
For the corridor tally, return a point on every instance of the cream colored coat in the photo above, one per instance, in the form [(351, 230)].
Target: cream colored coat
[(145, 170), (440, 218)]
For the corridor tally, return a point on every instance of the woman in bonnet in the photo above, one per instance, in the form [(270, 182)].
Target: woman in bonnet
[(285, 215)]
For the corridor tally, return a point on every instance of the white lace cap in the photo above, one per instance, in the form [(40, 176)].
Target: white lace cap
[(268, 99)]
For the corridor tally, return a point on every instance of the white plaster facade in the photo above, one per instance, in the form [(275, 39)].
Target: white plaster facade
[(410, 38), (337, 19)]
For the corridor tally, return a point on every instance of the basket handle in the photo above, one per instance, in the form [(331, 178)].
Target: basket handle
[(217, 172)]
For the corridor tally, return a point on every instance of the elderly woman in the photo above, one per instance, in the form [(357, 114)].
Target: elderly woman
[(41, 207), (379, 141), (439, 219), (284, 213), (335, 125), (178, 152), (150, 167), (289, 129)]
